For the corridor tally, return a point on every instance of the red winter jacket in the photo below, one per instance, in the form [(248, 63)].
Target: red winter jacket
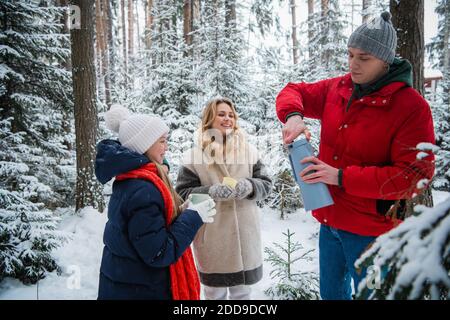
[(374, 142)]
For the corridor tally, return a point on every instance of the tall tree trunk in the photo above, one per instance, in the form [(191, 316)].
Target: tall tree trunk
[(130, 28), (294, 32), (88, 190), (98, 35), (110, 44), (310, 27), (100, 45), (148, 23), (187, 25), (138, 31), (230, 17), (124, 41), (195, 21), (365, 6), (408, 20), (324, 7), (446, 55), (130, 80), (174, 27), (107, 41)]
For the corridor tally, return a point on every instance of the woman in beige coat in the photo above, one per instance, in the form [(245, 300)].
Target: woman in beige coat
[(228, 251)]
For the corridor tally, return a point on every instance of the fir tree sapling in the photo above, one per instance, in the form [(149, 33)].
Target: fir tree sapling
[(291, 284)]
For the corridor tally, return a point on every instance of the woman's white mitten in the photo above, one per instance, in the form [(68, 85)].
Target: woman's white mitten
[(206, 210)]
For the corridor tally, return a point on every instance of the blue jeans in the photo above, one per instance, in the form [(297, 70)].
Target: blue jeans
[(338, 251)]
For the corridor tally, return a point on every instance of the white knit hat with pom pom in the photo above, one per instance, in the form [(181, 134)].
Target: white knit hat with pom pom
[(137, 132)]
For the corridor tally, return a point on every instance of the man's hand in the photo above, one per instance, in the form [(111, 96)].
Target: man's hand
[(293, 128), (323, 172)]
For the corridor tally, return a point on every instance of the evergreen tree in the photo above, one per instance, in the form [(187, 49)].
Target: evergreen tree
[(292, 284), (411, 261), (36, 170), (286, 196), (439, 52), (220, 68), (168, 86), (260, 110), (263, 12), (328, 42)]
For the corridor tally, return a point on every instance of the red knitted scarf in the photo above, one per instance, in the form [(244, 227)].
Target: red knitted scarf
[(185, 284)]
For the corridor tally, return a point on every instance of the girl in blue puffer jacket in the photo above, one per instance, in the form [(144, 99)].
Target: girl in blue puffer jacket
[(148, 234)]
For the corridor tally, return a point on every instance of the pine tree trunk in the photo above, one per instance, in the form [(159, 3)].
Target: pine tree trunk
[(365, 6), (130, 12), (100, 46), (138, 30), (130, 28), (216, 35), (88, 190), (310, 27), (408, 20), (98, 36), (111, 45), (324, 6), (187, 25), (446, 55), (124, 41), (148, 24), (107, 29), (174, 27), (230, 17), (294, 32), (195, 23)]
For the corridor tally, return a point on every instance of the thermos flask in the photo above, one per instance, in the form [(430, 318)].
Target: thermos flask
[(315, 195)]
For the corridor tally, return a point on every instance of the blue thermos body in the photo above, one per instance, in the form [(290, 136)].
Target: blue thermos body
[(315, 195)]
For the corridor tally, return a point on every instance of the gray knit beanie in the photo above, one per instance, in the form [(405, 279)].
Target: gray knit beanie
[(377, 37)]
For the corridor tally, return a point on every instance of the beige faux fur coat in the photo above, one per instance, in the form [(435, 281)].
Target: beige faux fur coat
[(228, 251)]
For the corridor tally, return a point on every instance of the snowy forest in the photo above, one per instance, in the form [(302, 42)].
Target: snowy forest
[(63, 64)]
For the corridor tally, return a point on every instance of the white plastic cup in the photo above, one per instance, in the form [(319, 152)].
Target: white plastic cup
[(199, 197)]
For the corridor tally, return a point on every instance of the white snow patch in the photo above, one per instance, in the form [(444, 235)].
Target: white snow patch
[(426, 146), (79, 259)]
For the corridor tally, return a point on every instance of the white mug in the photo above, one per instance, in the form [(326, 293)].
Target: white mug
[(198, 197)]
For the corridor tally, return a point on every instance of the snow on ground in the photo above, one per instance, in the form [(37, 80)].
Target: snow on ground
[(79, 260), (306, 230), (80, 257)]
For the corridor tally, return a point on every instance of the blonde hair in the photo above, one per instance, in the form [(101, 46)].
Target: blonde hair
[(210, 113), (176, 199)]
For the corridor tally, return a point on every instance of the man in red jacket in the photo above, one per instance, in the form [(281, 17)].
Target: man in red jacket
[(372, 121)]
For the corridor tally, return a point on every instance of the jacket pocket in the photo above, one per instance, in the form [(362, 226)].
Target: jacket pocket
[(396, 208), (358, 204)]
